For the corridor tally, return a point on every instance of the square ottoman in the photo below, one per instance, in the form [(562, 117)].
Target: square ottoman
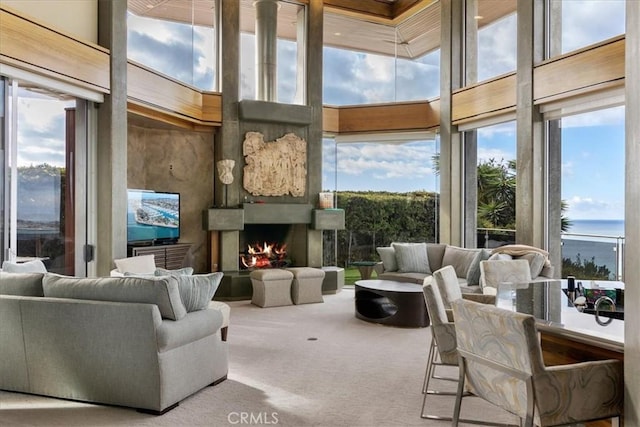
[(271, 287), (307, 285)]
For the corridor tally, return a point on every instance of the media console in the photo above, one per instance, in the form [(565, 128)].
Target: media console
[(170, 257)]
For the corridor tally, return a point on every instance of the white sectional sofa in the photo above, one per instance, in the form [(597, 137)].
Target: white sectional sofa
[(127, 341)]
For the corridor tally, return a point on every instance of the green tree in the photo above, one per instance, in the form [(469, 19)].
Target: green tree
[(496, 194)]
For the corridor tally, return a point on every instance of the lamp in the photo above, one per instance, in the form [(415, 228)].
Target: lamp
[(225, 174)]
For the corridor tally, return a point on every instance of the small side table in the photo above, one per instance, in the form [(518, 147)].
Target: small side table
[(365, 268)]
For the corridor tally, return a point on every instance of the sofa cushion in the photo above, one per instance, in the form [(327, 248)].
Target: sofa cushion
[(196, 291), (465, 261), (142, 264), (34, 266), (435, 252), (161, 291), (24, 284), (412, 257), (388, 258), (536, 262)]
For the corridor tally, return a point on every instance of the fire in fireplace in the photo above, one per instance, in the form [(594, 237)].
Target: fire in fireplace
[(264, 246), (265, 255)]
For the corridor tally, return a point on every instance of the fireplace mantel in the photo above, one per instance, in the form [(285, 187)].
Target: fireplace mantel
[(224, 219)]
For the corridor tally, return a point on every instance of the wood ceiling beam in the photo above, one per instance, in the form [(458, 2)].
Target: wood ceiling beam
[(381, 12)]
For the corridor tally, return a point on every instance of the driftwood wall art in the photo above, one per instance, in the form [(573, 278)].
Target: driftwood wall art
[(275, 168)]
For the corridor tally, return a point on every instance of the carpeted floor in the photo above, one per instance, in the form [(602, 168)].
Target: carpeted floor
[(306, 365)]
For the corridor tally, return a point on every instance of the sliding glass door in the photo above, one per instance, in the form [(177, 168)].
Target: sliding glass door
[(42, 133)]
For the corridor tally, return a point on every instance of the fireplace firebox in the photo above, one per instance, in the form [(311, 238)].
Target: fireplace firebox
[(264, 246)]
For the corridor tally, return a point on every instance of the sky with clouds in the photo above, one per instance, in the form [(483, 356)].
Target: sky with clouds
[(593, 143)]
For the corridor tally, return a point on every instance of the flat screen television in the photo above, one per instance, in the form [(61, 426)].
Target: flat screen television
[(152, 217)]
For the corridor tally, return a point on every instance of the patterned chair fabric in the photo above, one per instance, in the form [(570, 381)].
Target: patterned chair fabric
[(448, 286), (443, 331), (501, 362), (447, 283), (494, 272)]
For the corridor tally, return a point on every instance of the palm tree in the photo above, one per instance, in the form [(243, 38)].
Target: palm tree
[(497, 194)]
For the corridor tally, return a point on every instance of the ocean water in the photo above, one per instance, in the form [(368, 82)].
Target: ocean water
[(603, 227), (600, 240)]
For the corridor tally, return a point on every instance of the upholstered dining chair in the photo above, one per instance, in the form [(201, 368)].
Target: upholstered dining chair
[(494, 272), (442, 351), (447, 282), (438, 292), (501, 362)]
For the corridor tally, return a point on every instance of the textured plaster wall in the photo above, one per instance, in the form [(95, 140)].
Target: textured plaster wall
[(176, 161)]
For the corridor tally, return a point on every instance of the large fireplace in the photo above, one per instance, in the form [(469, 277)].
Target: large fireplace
[(297, 227)]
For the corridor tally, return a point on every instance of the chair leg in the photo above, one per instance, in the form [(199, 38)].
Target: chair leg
[(427, 371), (456, 409)]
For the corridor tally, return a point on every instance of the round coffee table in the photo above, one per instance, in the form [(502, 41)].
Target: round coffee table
[(391, 303)]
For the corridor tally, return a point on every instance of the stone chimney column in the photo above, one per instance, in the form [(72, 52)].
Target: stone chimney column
[(266, 49)]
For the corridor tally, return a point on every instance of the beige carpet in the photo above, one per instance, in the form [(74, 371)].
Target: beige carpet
[(307, 365)]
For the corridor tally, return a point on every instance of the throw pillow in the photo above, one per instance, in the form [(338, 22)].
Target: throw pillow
[(143, 264), (500, 257), (461, 259), (161, 291), (23, 284), (186, 271), (34, 266), (412, 257), (197, 291), (473, 274), (388, 258), (536, 262)]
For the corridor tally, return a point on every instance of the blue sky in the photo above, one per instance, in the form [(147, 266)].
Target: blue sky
[(593, 143)]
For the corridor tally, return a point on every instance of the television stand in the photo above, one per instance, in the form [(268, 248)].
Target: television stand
[(168, 256)]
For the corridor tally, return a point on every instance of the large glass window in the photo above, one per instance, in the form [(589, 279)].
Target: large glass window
[(496, 190), (497, 47), (176, 40), (389, 191), (578, 23), (490, 39), (40, 176), (593, 194), (353, 78)]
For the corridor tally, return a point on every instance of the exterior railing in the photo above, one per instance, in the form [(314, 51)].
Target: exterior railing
[(603, 250)]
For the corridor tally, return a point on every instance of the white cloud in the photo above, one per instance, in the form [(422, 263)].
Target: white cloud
[(486, 154), (383, 161), (589, 21), (508, 128), (497, 47), (580, 207), (610, 116), (568, 168)]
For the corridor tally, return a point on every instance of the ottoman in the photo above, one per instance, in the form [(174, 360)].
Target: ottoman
[(271, 287), (307, 285), (333, 280)]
